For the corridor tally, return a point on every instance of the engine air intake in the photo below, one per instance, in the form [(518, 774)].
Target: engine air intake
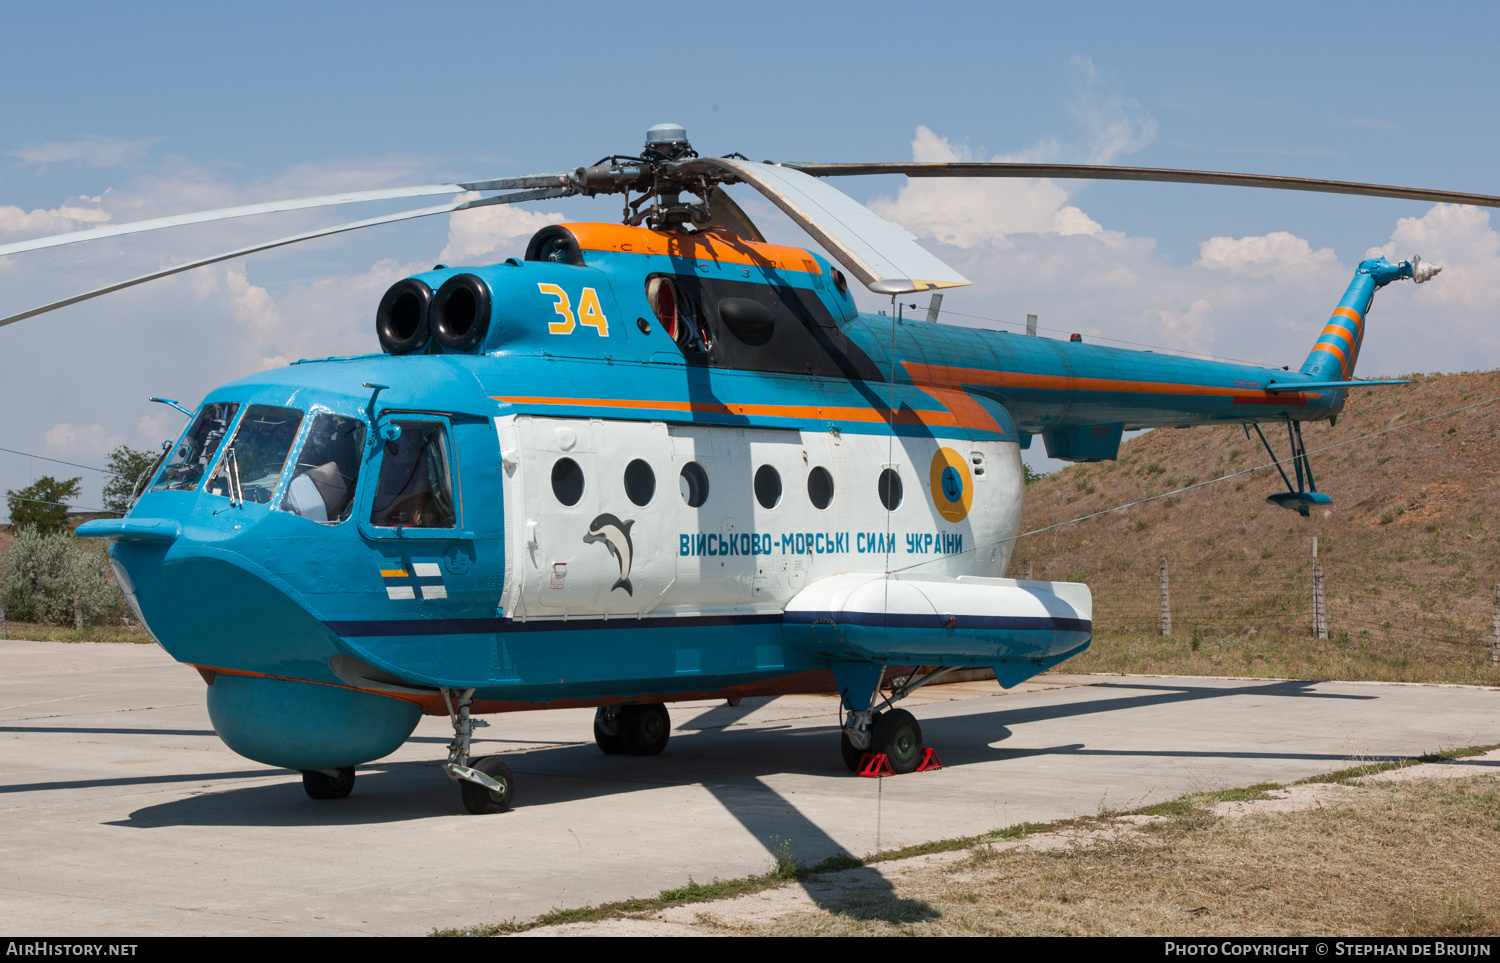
[(460, 313), (401, 320)]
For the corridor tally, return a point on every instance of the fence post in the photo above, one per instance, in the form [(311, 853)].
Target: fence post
[(1031, 324), (2, 618), (1166, 601), (1320, 603), (1028, 571), (1494, 642), (77, 616)]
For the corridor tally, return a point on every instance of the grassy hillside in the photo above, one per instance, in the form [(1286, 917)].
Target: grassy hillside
[(1408, 547)]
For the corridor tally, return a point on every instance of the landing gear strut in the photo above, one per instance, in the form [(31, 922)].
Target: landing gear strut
[(1306, 495), (487, 786), (639, 730), (895, 733)]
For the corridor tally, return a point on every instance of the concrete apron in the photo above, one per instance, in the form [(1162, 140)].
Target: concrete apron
[(124, 815)]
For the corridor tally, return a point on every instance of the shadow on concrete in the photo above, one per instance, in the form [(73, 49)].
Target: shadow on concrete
[(206, 778), (729, 762), (110, 731)]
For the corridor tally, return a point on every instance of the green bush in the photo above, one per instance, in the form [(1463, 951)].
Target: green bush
[(41, 574)]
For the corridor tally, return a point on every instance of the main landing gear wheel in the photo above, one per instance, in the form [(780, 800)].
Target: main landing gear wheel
[(607, 731), (852, 755), (644, 730), (897, 734), (320, 785), (481, 800)]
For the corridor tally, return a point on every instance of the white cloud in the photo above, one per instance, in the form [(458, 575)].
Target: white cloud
[(329, 316), (41, 222), (969, 211), (1460, 302), (964, 212), (158, 428), (94, 151), (1276, 254), (94, 440), (489, 234), (1117, 125)]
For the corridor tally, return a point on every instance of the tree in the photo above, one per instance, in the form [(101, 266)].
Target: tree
[(127, 466), (42, 576), (40, 504)]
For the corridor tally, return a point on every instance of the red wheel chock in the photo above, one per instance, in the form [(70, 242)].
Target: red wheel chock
[(873, 765), (929, 761)]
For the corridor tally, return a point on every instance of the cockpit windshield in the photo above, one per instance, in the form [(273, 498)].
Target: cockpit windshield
[(322, 487), (252, 465), (196, 451)]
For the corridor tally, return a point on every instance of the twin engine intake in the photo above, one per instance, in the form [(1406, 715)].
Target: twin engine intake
[(411, 318)]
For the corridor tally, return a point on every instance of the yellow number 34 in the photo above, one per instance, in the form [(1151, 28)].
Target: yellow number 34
[(589, 311)]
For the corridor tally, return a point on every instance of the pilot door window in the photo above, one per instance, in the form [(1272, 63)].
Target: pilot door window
[(197, 449), (251, 466), (327, 469), (415, 487)]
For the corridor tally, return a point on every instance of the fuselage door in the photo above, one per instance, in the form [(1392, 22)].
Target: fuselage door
[(594, 538)]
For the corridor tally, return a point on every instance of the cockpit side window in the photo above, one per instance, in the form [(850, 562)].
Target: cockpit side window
[(415, 487), (251, 466), (197, 449), (327, 468)]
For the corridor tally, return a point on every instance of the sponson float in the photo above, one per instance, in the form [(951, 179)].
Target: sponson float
[(649, 462)]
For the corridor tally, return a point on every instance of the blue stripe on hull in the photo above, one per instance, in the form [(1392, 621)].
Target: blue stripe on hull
[(367, 628), (901, 620)]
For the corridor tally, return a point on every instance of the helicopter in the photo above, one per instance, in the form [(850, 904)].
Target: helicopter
[(652, 461)]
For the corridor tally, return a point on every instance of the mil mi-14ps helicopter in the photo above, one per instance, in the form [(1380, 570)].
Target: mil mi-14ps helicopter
[(651, 461)]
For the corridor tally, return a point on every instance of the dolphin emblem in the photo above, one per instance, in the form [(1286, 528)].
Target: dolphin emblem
[(615, 534)]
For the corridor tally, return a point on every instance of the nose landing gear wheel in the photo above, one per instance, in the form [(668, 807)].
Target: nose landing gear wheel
[(319, 784), (481, 800), (644, 730), (897, 734)]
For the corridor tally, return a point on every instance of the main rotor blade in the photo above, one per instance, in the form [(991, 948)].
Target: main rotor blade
[(725, 213), (517, 197), (885, 257), (1165, 175), (294, 204)]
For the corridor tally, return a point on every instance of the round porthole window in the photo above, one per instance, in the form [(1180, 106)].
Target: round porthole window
[(567, 481), (640, 482), (767, 486), (890, 489), (820, 488), (693, 483)]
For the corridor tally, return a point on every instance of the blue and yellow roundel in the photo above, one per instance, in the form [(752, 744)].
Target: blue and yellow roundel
[(952, 486)]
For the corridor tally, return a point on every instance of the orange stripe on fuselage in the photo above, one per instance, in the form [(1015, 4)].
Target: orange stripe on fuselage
[(715, 244), (945, 384), (1351, 314), (928, 374), (941, 419)]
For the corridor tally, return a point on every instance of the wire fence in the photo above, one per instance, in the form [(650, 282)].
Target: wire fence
[(1241, 595)]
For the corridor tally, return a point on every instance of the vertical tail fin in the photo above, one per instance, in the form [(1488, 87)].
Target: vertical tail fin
[(1337, 350)]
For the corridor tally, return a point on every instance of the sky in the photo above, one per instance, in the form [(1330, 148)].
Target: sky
[(113, 113)]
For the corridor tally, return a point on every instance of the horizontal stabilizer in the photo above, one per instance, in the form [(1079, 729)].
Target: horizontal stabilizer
[(1328, 385), (885, 257)]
